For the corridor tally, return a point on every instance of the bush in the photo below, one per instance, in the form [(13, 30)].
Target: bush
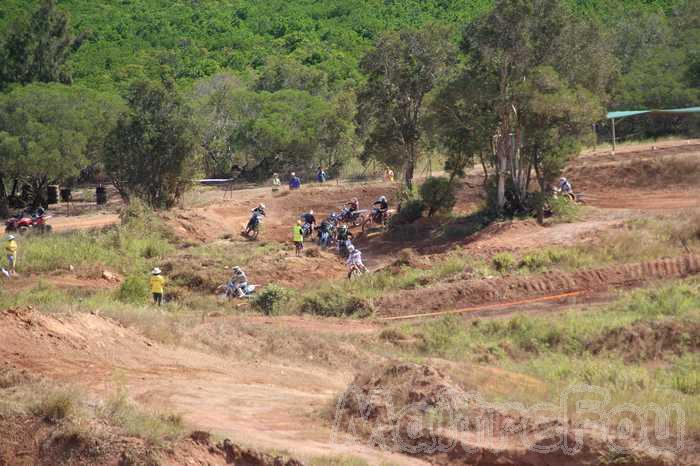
[(438, 195), (535, 262), (564, 209), (503, 261), (270, 300), (335, 304), (134, 289), (57, 405), (410, 211)]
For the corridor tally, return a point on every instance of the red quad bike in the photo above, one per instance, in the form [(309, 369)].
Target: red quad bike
[(24, 222)]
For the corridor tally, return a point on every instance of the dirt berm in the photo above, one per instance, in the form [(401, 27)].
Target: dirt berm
[(417, 410), (463, 293)]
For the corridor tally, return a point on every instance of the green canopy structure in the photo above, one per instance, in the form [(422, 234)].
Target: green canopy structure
[(619, 115)]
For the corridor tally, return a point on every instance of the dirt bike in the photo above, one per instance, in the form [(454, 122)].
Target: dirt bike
[(354, 217), (306, 230), (252, 230), (377, 217), (225, 291), (24, 222), (356, 272), (572, 196), (324, 237)]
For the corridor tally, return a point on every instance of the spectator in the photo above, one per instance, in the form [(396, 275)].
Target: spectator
[(294, 181), (298, 238), (321, 175), (11, 252), (157, 283)]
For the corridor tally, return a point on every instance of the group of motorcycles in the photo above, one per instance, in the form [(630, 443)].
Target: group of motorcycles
[(28, 221), (328, 229)]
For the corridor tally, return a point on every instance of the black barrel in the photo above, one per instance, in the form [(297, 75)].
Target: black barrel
[(101, 195), (66, 195), (52, 194)]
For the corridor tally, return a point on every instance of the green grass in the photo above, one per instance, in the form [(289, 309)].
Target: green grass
[(556, 348)]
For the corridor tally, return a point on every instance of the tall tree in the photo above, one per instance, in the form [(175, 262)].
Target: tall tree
[(37, 49), (526, 59), (401, 70), (49, 132), (151, 152)]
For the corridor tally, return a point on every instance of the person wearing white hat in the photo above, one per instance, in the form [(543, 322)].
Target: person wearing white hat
[(157, 283), (11, 253)]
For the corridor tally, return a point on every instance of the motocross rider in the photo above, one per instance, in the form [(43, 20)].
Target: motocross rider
[(354, 205), (259, 210), (565, 186), (382, 205), (355, 259), (238, 282), (309, 219), (344, 237)]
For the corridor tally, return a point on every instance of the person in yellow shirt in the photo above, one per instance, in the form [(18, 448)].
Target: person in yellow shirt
[(11, 253), (298, 238), (157, 285)]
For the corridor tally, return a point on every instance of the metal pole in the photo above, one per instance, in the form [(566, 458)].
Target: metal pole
[(613, 135)]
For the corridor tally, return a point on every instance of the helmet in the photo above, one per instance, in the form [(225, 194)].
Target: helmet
[(354, 199), (351, 248), (562, 180), (311, 212), (156, 271), (382, 198), (293, 174), (237, 270), (343, 227), (261, 206), (11, 237)]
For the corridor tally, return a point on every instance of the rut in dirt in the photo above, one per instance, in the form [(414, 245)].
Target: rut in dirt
[(475, 292)]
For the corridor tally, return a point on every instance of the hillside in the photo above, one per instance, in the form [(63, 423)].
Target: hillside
[(192, 39)]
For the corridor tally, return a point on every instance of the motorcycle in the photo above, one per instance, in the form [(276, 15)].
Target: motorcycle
[(253, 228), (225, 291), (306, 230), (356, 272), (354, 217), (376, 217), (25, 222), (324, 237)]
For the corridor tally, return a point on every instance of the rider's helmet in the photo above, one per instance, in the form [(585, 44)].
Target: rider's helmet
[(354, 200), (237, 270), (261, 206), (382, 199), (293, 174), (351, 248), (343, 227), (562, 180), (156, 271)]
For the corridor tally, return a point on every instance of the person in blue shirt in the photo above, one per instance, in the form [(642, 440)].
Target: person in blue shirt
[(321, 175), (294, 182)]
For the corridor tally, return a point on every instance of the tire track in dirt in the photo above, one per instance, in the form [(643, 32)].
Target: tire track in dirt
[(486, 291)]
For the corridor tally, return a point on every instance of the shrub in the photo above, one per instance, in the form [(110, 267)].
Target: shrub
[(56, 405), (335, 304), (133, 289), (564, 209), (270, 299), (535, 262), (438, 195), (410, 211), (503, 261)]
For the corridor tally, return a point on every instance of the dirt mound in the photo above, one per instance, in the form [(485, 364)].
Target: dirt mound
[(28, 440), (417, 410), (468, 293), (650, 340)]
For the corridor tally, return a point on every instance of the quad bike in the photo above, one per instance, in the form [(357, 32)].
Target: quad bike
[(25, 222), (377, 217), (355, 272), (354, 217), (225, 291), (252, 230)]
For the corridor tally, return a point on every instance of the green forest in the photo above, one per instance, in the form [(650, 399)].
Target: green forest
[(255, 87)]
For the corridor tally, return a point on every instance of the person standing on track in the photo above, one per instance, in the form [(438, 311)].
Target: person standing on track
[(157, 283), (298, 238)]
